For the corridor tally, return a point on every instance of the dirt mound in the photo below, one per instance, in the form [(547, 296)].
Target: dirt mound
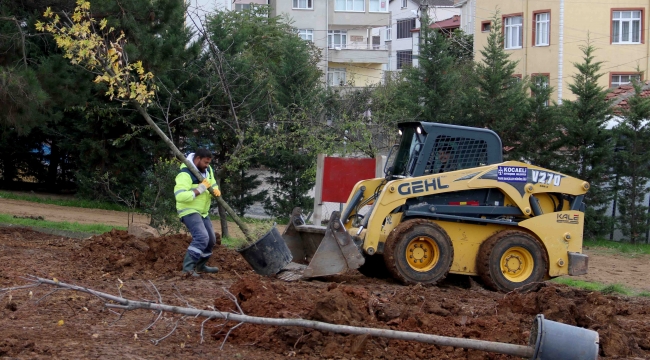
[(442, 311), (415, 308), (117, 252), (608, 315)]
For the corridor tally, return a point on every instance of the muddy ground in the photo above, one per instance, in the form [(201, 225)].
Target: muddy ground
[(31, 327)]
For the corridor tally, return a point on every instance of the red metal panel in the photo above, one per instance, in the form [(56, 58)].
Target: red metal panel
[(341, 174)]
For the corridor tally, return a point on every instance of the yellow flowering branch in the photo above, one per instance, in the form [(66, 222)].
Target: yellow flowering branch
[(95, 50)]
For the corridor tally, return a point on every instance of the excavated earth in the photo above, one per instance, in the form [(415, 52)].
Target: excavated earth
[(39, 323)]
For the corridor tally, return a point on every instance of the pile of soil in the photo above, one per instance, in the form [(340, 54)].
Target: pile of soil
[(457, 308), (444, 310), (117, 252)]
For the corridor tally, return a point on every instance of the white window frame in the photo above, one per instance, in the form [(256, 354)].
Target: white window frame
[(242, 7), (342, 36), (336, 76), (306, 34), (389, 34), (379, 3), (542, 28), (350, 5), (629, 19), (513, 32), (306, 4), (620, 81), (405, 4)]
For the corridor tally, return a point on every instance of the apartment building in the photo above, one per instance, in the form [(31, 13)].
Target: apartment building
[(545, 38), (343, 29), (401, 38), (467, 15)]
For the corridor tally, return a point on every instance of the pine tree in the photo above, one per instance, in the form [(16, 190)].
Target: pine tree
[(238, 188), (497, 99), (587, 142), (633, 166), (540, 135), (433, 83), (290, 187)]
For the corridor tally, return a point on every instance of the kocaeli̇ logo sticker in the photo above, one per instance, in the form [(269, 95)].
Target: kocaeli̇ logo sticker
[(512, 174)]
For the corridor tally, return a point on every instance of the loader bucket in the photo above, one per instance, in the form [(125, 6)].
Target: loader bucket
[(326, 250)]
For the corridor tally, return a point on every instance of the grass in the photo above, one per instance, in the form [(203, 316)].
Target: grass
[(234, 243), (620, 247), (82, 203), (66, 226), (612, 289), (247, 220)]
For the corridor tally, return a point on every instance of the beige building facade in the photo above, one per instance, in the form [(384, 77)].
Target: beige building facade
[(545, 38), (343, 30)]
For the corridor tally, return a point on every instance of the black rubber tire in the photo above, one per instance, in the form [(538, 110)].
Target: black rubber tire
[(374, 267), (488, 260), (396, 246)]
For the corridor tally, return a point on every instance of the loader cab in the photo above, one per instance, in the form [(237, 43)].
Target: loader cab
[(433, 148)]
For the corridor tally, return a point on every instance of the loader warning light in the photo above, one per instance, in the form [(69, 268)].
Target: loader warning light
[(470, 203)]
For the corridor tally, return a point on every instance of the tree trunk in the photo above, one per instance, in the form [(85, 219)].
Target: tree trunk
[(53, 168), (223, 218)]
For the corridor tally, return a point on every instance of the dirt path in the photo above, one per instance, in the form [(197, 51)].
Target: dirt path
[(607, 267), (85, 216), (69, 214)]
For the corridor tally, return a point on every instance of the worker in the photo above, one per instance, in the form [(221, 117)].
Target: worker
[(446, 159), (193, 206)]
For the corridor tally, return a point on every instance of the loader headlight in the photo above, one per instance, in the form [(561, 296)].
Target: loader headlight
[(400, 132), (419, 130)]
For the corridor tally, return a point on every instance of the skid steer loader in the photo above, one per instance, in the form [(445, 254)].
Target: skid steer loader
[(448, 203)]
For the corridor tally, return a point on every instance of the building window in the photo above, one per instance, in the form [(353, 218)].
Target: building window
[(404, 59), (542, 81), (303, 4), (378, 5), (350, 5), (617, 80), (514, 31), (542, 29), (485, 26), (336, 76), (404, 4), (241, 7), (389, 34), (627, 27), (306, 34), (337, 39), (404, 28)]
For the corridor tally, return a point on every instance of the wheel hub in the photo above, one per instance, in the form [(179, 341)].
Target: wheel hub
[(513, 264), (422, 253), (517, 264)]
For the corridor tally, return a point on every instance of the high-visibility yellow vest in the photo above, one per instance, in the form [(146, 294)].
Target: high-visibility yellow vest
[(186, 202)]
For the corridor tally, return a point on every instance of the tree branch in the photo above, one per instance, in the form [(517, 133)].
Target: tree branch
[(126, 304)]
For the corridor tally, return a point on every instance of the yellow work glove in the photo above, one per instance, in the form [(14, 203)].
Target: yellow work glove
[(206, 183), (216, 191)]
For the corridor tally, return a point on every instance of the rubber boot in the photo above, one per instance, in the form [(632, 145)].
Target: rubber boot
[(201, 267), (189, 265)]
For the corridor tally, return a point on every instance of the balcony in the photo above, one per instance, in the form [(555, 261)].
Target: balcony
[(359, 53), (369, 19)]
